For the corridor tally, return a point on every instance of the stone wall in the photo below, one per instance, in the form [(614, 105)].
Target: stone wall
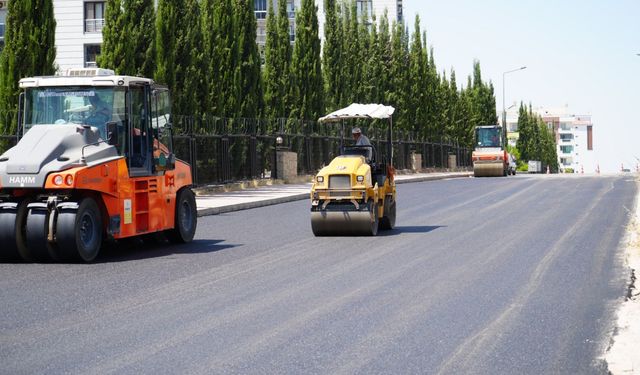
[(453, 162), (287, 164), (416, 161)]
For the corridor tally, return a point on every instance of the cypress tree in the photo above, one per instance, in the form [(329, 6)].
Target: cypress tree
[(128, 36), (277, 60), (398, 76), (140, 32), (384, 51), (178, 53), (372, 75), (247, 78), (349, 48), (416, 110), (116, 49), (225, 51), (29, 51), (524, 133), (332, 56), (219, 56), (306, 65), (271, 98)]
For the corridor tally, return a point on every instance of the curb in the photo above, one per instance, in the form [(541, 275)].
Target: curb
[(248, 205), (296, 197), (432, 178)]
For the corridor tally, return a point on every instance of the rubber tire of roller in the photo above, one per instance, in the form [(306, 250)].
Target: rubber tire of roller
[(12, 233), (37, 230), (79, 232), (388, 221), (186, 218)]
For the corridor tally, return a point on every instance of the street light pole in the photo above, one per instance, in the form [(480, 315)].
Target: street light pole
[(504, 111)]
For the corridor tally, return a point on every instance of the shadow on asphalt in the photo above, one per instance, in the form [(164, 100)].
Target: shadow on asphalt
[(409, 229), (155, 247)]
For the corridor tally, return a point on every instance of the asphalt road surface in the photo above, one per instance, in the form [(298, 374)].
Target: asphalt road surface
[(481, 276)]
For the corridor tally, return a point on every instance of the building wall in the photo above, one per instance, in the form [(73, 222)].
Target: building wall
[(71, 37), (3, 19), (393, 7), (574, 138)]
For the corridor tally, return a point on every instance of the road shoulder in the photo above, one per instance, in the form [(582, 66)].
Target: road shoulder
[(623, 356)]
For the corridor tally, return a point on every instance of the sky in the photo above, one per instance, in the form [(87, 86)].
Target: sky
[(578, 53)]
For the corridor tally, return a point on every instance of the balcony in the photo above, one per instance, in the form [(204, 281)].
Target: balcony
[(93, 25)]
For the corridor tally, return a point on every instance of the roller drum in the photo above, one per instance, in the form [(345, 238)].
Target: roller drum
[(488, 170), (345, 222)]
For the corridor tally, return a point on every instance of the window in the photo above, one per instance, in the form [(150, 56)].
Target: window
[(3, 19), (91, 53), (160, 119), (291, 9), (364, 7), (566, 137), (260, 8), (93, 16), (566, 149)]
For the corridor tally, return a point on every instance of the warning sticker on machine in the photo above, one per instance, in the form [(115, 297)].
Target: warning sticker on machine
[(127, 211)]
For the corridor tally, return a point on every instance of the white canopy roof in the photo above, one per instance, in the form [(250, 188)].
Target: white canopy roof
[(355, 110)]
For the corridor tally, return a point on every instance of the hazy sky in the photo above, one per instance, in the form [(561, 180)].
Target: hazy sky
[(580, 53)]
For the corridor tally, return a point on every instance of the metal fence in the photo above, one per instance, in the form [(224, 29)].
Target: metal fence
[(222, 150)]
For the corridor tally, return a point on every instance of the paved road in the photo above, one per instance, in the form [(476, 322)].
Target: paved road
[(482, 276)]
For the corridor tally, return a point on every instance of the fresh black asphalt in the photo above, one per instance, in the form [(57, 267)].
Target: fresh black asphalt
[(481, 276)]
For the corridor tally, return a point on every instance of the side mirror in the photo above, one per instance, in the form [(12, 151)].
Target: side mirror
[(112, 133), (171, 161)]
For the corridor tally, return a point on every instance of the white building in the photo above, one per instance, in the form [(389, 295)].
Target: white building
[(3, 20), (573, 133), (372, 7), (78, 32), (574, 139)]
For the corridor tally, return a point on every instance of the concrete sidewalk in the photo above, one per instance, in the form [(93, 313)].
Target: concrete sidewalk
[(218, 203)]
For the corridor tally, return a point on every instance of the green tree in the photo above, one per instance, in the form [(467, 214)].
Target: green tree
[(524, 133), (277, 62), (248, 77), (220, 56), (29, 51), (373, 87), (307, 85), (399, 90), (140, 32), (383, 49), (418, 65), (129, 37), (116, 49), (332, 55), (178, 43)]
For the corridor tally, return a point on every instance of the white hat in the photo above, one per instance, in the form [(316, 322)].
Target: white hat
[(356, 130)]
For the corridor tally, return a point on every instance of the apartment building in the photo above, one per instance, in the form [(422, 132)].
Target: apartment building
[(3, 20), (371, 7), (78, 32), (573, 133), (574, 140)]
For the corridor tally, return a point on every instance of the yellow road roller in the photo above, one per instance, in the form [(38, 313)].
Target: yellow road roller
[(356, 193)]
